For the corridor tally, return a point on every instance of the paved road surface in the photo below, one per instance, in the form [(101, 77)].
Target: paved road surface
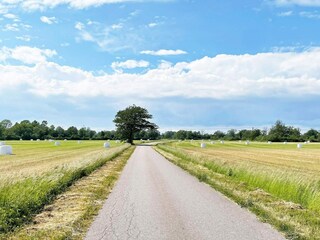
[(154, 199)]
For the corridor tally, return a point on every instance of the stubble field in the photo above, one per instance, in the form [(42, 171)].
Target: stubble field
[(38, 171), (277, 181)]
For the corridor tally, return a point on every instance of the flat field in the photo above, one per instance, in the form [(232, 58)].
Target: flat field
[(38, 171), (278, 181)]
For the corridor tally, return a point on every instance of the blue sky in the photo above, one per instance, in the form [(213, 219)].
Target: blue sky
[(200, 65)]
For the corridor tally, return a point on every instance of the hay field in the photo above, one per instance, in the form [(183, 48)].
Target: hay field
[(32, 158), (277, 181), (38, 171)]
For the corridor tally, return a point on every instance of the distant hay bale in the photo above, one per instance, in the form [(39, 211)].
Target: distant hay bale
[(38, 140), (106, 145), (79, 141), (285, 142), (269, 142), (21, 139), (221, 141), (247, 142), (50, 140), (203, 145), (2, 143), (117, 141), (65, 140), (57, 144), (299, 145), (212, 142), (31, 140), (5, 150)]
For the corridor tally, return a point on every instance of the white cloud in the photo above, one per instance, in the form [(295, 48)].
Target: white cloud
[(130, 64), (153, 24), (307, 3), (285, 14), (11, 16), (25, 54), (32, 5), (110, 38), (16, 27), (315, 14), (48, 20), (117, 26), (164, 64), (220, 77), (25, 38), (79, 26), (163, 52)]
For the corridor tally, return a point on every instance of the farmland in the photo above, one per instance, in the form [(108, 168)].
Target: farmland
[(277, 181), (39, 171)]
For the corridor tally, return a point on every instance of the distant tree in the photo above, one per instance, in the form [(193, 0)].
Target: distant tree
[(6, 123), (280, 132), (132, 120), (72, 133), (231, 135), (168, 135), (218, 135), (311, 135)]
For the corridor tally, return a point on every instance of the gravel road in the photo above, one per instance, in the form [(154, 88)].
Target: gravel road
[(154, 199)]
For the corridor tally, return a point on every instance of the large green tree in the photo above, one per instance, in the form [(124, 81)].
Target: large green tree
[(131, 120)]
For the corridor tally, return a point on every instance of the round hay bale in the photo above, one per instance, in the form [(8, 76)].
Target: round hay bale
[(203, 145), (299, 145), (57, 144), (2, 143), (106, 145), (5, 150)]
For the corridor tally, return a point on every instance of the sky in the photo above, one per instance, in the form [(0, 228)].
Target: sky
[(198, 65)]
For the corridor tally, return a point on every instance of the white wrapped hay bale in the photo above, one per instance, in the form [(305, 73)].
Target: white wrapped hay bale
[(106, 145), (50, 140), (65, 140), (117, 141), (57, 144), (247, 142), (299, 145), (269, 142), (31, 140), (5, 150), (222, 142), (212, 142), (38, 140), (21, 139), (2, 143), (79, 141), (285, 142), (203, 145)]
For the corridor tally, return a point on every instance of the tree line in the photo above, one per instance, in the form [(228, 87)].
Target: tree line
[(27, 130), (279, 132)]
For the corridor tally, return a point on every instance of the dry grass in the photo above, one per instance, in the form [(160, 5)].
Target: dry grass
[(70, 215), (278, 182), (39, 171), (37, 158)]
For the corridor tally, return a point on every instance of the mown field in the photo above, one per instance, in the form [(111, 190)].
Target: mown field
[(38, 171), (277, 181)]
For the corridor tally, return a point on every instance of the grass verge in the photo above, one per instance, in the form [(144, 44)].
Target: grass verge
[(72, 212), (19, 201), (294, 220)]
